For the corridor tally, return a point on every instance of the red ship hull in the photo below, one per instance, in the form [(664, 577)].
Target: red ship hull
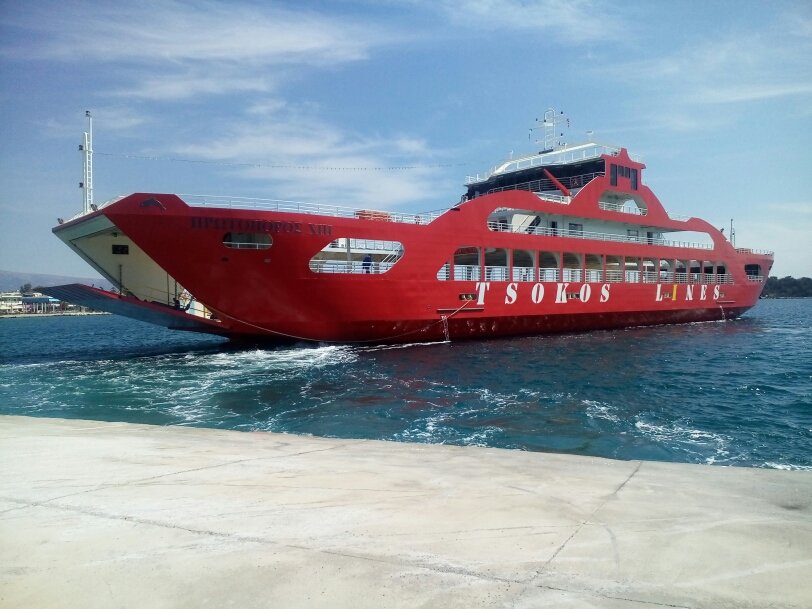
[(278, 288)]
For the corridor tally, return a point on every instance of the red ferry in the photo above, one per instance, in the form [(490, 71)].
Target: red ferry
[(567, 239)]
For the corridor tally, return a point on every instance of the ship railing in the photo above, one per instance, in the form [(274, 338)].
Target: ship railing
[(751, 250), (549, 274), (246, 245), (574, 154), (755, 278), (554, 198), (186, 302), (496, 273), (351, 267), (560, 232), (576, 275), (624, 208), (523, 273), (317, 209), (543, 185), (95, 207), (573, 275), (467, 272), (391, 258), (366, 245), (678, 217)]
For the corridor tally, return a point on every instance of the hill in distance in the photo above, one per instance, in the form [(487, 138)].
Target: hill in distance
[(11, 281)]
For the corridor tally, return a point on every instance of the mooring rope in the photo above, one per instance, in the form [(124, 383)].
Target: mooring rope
[(443, 320)]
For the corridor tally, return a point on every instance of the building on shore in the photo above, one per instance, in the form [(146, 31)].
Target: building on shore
[(11, 303), (35, 303)]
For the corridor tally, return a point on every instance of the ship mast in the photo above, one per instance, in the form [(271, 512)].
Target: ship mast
[(87, 151), (552, 124)]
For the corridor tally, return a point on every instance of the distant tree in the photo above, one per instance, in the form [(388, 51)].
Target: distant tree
[(788, 287), (26, 288)]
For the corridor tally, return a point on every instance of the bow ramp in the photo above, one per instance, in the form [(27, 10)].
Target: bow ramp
[(129, 306)]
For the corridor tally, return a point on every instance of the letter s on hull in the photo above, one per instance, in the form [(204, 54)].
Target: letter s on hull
[(510, 293)]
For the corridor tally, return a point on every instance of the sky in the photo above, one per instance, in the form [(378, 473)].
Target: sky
[(390, 105)]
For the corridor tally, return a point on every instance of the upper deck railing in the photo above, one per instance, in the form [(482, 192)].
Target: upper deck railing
[(752, 250), (546, 185), (624, 208), (280, 205), (565, 156), (581, 234), (421, 218), (317, 209)]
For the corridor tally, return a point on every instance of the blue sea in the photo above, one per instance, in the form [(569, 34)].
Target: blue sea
[(726, 393)]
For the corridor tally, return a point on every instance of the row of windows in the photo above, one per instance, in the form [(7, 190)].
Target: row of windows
[(499, 264), (623, 172)]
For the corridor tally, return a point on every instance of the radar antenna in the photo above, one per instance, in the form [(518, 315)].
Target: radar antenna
[(552, 125)]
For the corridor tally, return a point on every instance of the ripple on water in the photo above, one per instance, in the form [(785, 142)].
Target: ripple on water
[(734, 393)]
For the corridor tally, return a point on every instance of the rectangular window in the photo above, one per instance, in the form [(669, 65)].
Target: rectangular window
[(576, 228), (613, 175), (634, 179), (121, 250), (632, 234)]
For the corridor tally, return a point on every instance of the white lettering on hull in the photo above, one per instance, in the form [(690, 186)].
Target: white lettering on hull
[(514, 290), (481, 288)]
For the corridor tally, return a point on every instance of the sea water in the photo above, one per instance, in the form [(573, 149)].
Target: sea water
[(727, 393)]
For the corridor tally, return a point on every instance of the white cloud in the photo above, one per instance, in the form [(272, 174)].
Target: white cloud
[(702, 80), (804, 209), (175, 31), (303, 158), (573, 21), (176, 50), (213, 80)]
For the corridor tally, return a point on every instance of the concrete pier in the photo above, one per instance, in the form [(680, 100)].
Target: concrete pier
[(113, 515)]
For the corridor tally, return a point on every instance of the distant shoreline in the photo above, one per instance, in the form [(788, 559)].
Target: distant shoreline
[(57, 314)]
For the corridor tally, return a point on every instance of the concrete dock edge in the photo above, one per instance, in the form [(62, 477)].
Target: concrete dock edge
[(96, 514)]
